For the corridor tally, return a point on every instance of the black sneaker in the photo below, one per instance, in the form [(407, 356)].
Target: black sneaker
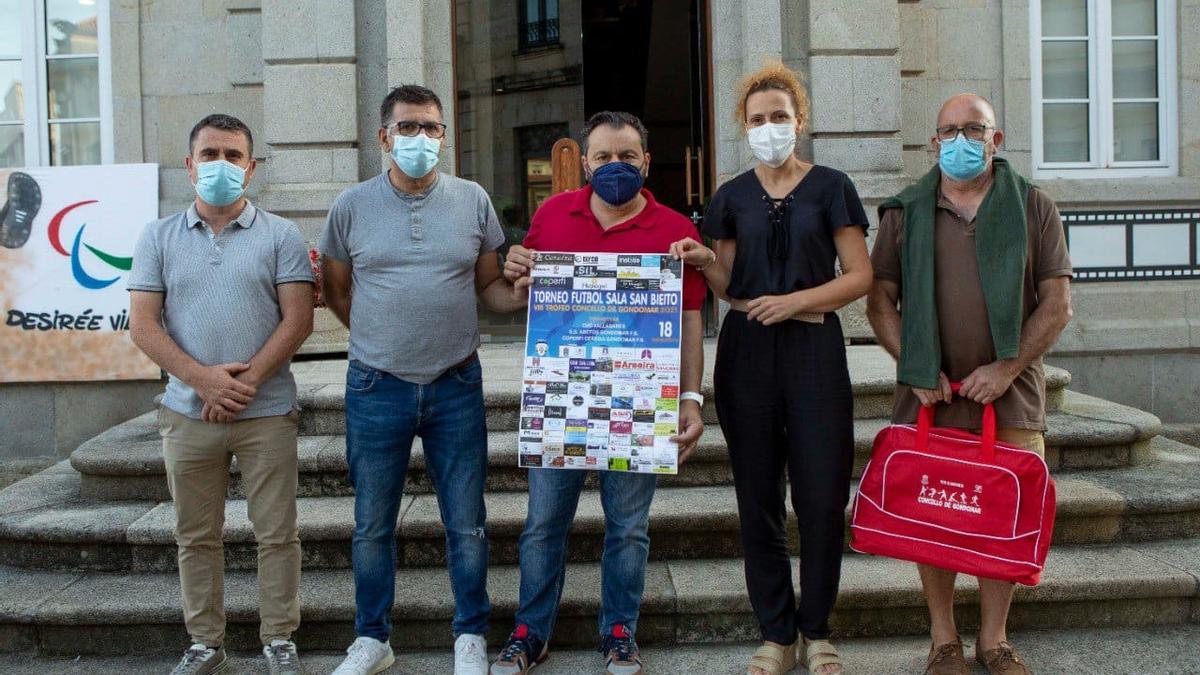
[(620, 652), (18, 212), (521, 654)]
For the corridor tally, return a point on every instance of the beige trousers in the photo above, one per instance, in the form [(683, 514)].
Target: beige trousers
[(197, 456), (1029, 439)]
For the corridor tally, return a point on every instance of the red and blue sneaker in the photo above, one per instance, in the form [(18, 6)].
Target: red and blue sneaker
[(521, 654), (620, 652)]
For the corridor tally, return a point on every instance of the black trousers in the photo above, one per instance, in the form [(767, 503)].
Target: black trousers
[(784, 401)]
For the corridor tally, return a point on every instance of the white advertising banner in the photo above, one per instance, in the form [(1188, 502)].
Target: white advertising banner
[(67, 236)]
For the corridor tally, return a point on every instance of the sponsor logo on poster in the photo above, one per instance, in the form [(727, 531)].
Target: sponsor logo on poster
[(616, 333)]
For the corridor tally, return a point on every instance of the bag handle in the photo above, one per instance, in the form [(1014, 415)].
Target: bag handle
[(925, 423)]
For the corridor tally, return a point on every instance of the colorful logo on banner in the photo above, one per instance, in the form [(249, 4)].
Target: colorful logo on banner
[(65, 234), (54, 232)]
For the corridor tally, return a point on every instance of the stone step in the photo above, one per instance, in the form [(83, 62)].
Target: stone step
[(1168, 649), (321, 387), (685, 602), (1160, 499), (126, 461)]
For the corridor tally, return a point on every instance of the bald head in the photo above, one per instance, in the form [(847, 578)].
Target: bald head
[(966, 108), (972, 116)]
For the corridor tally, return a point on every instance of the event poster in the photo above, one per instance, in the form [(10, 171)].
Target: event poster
[(601, 374), (67, 236)]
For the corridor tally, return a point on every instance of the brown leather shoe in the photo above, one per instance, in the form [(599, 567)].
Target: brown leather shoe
[(947, 659), (1003, 660)]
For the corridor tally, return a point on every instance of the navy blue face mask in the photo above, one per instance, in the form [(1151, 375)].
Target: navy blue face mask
[(617, 182)]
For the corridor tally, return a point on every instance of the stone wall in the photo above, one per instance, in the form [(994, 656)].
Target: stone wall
[(1137, 344), (307, 76), (172, 63), (983, 46), (48, 421), (302, 74)]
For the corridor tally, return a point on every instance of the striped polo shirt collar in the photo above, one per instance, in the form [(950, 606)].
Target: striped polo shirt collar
[(244, 220)]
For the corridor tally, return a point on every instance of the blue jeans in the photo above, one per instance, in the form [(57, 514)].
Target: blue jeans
[(383, 415), (553, 498)]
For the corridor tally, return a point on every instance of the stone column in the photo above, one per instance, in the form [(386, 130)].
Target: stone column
[(854, 70), (855, 79), (994, 64), (1188, 41), (744, 32), (420, 50), (310, 120), (310, 106), (1015, 88)]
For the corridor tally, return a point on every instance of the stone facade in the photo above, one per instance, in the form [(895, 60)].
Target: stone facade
[(308, 75)]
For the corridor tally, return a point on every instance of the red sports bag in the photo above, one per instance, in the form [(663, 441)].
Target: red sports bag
[(951, 499)]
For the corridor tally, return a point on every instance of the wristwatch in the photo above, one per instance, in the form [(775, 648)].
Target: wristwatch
[(692, 396)]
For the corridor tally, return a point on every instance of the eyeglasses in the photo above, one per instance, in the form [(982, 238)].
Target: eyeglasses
[(409, 128), (975, 132)]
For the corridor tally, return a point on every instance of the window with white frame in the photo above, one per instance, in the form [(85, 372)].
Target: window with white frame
[(55, 103), (1104, 88)]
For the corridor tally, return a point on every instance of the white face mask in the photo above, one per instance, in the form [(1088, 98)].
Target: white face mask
[(773, 143)]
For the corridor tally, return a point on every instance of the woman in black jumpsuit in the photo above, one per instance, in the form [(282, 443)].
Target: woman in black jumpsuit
[(782, 386)]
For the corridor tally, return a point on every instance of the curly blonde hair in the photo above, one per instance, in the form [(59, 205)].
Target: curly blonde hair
[(773, 75)]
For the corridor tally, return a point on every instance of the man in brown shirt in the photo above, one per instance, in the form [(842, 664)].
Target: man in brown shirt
[(966, 142)]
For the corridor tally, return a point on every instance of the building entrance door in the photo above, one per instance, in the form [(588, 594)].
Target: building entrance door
[(650, 58), (530, 72)]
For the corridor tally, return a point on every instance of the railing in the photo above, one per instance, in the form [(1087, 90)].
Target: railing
[(1134, 245), (539, 33)]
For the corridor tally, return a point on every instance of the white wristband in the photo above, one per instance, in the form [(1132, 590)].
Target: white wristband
[(692, 396)]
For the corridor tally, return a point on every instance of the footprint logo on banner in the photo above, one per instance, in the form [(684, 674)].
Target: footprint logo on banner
[(19, 210)]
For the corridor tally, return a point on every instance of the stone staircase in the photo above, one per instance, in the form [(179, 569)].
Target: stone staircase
[(87, 555)]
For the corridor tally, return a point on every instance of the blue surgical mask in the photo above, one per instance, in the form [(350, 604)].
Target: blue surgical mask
[(617, 182), (962, 158), (416, 155), (219, 183)]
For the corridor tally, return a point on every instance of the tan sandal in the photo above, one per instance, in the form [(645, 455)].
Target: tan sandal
[(774, 660), (815, 654)]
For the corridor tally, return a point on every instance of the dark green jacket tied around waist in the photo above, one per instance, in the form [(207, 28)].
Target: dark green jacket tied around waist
[(1002, 249)]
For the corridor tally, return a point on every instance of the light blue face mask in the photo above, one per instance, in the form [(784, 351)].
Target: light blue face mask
[(962, 158), (219, 183), (416, 155)]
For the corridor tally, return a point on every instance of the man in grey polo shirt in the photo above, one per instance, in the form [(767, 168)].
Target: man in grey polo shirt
[(221, 298), (405, 255)]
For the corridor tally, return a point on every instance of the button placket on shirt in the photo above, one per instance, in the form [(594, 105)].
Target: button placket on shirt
[(217, 242), (215, 252), (418, 230)]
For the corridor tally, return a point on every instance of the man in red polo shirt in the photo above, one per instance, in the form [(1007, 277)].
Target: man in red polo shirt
[(613, 214)]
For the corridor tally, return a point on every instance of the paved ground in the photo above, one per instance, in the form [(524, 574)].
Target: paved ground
[(1173, 650)]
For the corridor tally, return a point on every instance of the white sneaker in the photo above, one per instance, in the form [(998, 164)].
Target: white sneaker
[(470, 655), (366, 656)]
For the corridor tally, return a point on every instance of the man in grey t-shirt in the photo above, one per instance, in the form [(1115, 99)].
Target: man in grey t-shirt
[(221, 298), (405, 255)]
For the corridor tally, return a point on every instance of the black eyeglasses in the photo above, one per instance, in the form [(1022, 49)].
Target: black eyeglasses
[(780, 244), (975, 132), (409, 128)]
